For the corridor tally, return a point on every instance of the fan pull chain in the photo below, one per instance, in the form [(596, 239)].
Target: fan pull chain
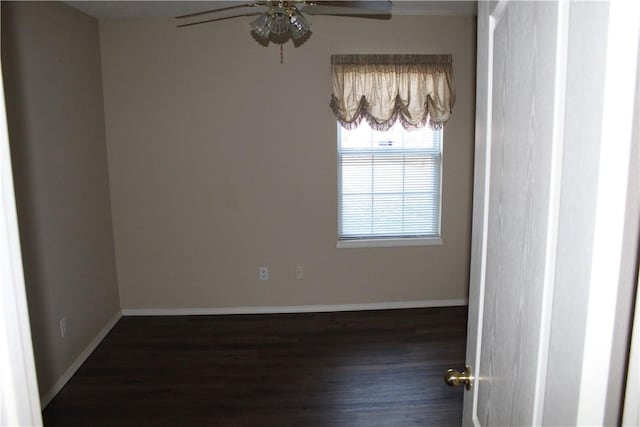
[(281, 54)]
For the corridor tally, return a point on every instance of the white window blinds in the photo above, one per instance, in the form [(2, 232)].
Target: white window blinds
[(389, 182)]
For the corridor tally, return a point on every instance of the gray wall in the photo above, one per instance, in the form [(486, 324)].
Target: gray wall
[(51, 65), (221, 159)]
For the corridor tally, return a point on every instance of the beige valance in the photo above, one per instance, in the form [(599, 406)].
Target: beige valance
[(414, 89)]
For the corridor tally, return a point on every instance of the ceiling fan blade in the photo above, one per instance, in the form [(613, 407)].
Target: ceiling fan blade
[(356, 9), (222, 9), (382, 16), (364, 4), (216, 19)]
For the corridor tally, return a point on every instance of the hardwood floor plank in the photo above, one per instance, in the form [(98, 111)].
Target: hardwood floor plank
[(365, 368)]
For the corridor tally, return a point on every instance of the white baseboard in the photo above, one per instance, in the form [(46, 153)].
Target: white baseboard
[(49, 395), (291, 309)]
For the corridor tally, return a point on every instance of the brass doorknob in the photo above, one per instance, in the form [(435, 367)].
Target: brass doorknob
[(455, 378)]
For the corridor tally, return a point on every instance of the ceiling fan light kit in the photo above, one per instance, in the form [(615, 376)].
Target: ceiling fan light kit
[(281, 18)]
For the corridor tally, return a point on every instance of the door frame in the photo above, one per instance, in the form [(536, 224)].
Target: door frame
[(19, 393)]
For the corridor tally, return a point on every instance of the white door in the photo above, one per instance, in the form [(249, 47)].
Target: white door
[(517, 190), (529, 116)]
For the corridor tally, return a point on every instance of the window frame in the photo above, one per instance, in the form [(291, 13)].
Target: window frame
[(391, 241)]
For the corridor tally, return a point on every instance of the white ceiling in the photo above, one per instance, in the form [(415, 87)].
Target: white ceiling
[(169, 9)]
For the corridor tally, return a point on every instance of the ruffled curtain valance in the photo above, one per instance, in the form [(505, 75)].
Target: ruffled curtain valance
[(382, 89)]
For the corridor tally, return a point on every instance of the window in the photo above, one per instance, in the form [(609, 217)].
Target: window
[(388, 185), (389, 191)]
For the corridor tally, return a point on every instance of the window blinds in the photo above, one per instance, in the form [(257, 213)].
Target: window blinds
[(389, 183)]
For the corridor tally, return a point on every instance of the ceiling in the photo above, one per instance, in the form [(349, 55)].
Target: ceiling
[(169, 9)]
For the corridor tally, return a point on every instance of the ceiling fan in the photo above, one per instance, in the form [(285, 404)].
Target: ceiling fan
[(284, 19)]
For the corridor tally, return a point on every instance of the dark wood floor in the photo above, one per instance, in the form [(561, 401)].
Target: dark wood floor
[(367, 368)]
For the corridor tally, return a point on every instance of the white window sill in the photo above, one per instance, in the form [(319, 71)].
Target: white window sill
[(382, 243)]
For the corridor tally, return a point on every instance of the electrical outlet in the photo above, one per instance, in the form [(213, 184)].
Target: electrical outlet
[(264, 273), (299, 272), (63, 327)]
